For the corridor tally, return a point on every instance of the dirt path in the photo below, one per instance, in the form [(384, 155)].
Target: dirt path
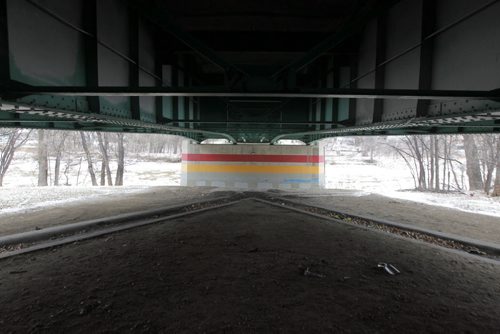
[(241, 269), (470, 225), (102, 206), (441, 219)]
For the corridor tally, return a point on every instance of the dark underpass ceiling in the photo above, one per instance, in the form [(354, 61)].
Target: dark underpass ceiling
[(251, 71)]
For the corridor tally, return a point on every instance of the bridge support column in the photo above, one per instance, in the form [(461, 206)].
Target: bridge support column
[(253, 166)]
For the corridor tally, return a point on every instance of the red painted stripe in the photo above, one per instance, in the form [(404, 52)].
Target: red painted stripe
[(253, 158)]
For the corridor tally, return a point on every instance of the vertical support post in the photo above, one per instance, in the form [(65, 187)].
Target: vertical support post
[(175, 99), (4, 44), (181, 100), (167, 100), (329, 84), (378, 104), (352, 102), (91, 53), (134, 68), (4, 51), (336, 84), (324, 81), (426, 53), (159, 119), (310, 115), (188, 82), (291, 80), (318, 101)]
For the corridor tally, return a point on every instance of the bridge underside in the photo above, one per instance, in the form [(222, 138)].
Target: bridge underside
[(251, 71)]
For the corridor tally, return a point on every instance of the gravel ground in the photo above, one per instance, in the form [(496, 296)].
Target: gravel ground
[(249, 268), (436, 218), (51, 208)]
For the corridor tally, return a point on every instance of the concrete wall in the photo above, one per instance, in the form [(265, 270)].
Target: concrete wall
[(253, 166)]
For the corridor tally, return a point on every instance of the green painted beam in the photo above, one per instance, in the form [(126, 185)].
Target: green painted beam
[(354, 93)]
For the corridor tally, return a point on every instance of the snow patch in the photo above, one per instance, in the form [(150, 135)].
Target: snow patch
[(23, 199)]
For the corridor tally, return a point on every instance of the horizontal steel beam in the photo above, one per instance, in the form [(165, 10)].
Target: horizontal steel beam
[(355, 93), (178, 121), (413, 125), (52, 115), (190, 121), (265, 22)]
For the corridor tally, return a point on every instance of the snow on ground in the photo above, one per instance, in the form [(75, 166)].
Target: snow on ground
[(348, 170), (391, 178), (17, 199), (473, 202), (139, 171), (372, 177), (20, 191), (153, 173)]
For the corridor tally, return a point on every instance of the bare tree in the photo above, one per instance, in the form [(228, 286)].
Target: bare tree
[(58, 141), (406, 157), (89, 158), (487, 147), (106, 158), (121, 160), (435, 155), (78, 173), (415, 145), (472, 163), (43, 163), (367, 146), (429, 160), (10, 141), (155, 143), (496, 187), (105, 170)]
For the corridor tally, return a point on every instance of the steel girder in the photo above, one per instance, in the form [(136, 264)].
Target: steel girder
[(322, 93), (203, 95)]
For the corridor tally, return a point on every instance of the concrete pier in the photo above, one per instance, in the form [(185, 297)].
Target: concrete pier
[(253, 166)]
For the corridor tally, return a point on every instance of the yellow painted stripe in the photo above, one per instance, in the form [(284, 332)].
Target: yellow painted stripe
[(274, 169)]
